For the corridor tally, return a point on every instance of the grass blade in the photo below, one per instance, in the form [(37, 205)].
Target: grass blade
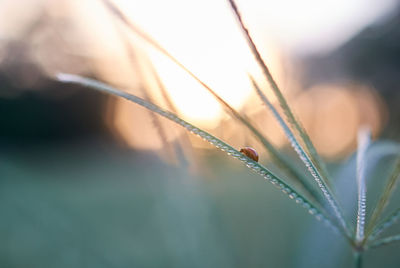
[(183, 146), (383, 201), (133, 60), (302, 154), (276, 156), (255, 166), (385, 241), (386, 223), (317, 161), (364, 139)]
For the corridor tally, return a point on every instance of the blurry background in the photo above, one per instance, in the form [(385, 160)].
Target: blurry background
[(91, 181)]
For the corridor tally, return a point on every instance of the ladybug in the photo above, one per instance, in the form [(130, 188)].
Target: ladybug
[(250, 153)]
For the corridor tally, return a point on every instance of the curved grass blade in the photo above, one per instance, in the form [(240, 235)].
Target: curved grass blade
[(255, 166), (184, 146), (303, 156), (364, 138), (385, 241), (386, 223), (276, 156), (171, 154), (383, 201), (292, 140), (317, 161)]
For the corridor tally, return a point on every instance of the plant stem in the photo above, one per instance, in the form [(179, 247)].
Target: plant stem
[(364, 138), (358, 259)]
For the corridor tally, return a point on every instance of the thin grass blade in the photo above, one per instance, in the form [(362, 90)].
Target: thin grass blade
[(385, 241), (133, 60), (183, 146), (317, 161), (383, 201), (364, 140), (255, 166), (386, 223), (303, 155)]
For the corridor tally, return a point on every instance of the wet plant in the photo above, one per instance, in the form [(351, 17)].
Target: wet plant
[(323, 205)]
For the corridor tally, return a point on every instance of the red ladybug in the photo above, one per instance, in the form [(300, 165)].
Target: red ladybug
[(250, 153)]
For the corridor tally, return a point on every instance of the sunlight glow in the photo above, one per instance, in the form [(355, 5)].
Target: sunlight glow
[(204, 36)]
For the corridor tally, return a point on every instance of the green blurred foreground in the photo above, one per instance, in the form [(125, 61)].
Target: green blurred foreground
[(99, 206)]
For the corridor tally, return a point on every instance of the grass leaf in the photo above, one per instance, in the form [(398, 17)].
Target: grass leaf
[(383, 201), (303, 156), (385, 241), (386, 223), (364, 140), (255, 166)]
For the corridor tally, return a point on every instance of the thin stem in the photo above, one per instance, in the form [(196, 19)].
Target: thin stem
[(304, 157), (385, 241), (383, 201), (289, 134), (386, 223), (364, 135), (185, 144), (358, 259), (133, 60)]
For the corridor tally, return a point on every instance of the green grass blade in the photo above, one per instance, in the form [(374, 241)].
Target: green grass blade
[(317, 161), (364, 139), (386, 223), (383, 201), (385, 241), (303, 156), (255, 166)]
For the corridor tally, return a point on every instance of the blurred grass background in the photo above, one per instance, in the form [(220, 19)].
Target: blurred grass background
[(95, 206)]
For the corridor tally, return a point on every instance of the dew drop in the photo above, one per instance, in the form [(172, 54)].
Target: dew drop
[(286, 190), (235, 154), (312, 211), (250, 165), (299, 200)]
